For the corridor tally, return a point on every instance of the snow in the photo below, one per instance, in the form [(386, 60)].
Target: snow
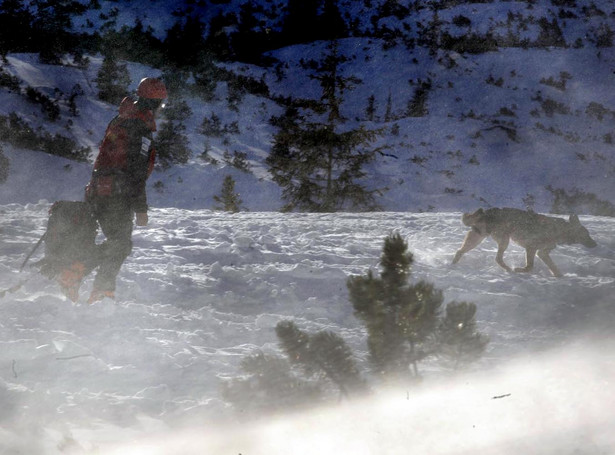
[(481, 144), (202, 289)]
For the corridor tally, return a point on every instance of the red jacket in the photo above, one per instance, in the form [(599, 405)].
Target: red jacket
[(126, 157)]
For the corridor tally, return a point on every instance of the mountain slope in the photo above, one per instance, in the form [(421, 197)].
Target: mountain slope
[(516, 97)]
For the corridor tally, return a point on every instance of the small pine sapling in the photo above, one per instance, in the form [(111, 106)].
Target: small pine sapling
[(112, 80), (321, 355), (172, 144), (269, 385), (370, 110), (4, 166), (228, 199), (400, 318), (459, 342)]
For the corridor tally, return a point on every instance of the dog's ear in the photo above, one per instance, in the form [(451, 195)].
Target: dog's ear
[(574, 219), (479, 212)]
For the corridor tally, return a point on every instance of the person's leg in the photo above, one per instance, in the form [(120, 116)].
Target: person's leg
[(115, 221)]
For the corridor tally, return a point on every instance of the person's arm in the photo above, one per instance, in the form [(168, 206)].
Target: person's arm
[(138, 156)]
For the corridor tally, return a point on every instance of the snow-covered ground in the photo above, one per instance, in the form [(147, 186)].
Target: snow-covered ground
[(203, 289)]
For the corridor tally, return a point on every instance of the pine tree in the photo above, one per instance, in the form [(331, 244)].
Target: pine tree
[(370, 110), (252, 36), (318, 164), (400, 318), (51, 28), (322, 353), (458, 340), (218, 41), (301, 22), (184, 44), (604, 36), (72, 99), (171, 143), (135, 43), (269, 384), (332, 24), (417, 107), (4, 166), (312, 363), (112, 80), (388, 114), (550, 35), (15, 23), (206, 76), (228, 199)]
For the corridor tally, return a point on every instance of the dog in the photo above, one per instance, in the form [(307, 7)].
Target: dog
[(536, 233)]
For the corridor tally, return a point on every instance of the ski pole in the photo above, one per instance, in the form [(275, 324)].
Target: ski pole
[(32, 252)]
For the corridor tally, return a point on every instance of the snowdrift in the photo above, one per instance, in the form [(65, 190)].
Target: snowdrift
[(203, 289)]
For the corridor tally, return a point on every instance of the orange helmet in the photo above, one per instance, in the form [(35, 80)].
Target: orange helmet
[(152, 88)]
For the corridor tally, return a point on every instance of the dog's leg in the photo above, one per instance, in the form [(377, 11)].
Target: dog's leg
[(530, 253), (471, 241), (503, 241), (544, 255)]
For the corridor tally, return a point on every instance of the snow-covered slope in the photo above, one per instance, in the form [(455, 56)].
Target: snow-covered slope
[(500, 125), (203, 289), (481, 144)]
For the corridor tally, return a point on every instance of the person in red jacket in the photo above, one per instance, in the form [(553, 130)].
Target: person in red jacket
[(116, 190)]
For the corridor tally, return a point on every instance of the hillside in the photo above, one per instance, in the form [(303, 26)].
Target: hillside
[(478, 103)]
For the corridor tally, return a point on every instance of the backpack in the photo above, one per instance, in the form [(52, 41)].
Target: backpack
[(70, 237)]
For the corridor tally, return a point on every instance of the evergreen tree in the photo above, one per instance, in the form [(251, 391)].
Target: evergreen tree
[(228, 199), (332, 24), (269, 384), (318, 165), (458, 340), (15, 23), (431, 36), (604, 36), (388, 114), (135, 44), (51, 28), (112, 80), (175, 80), (252, 36), (4, 166), (212, 126), (417, 107), (184, 44), (218, 41), (321, 354), (551, 34), (301, 21), (370, 110), (311, 364), (171, 143), (72, 99), (206, 75), (400, 318)]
